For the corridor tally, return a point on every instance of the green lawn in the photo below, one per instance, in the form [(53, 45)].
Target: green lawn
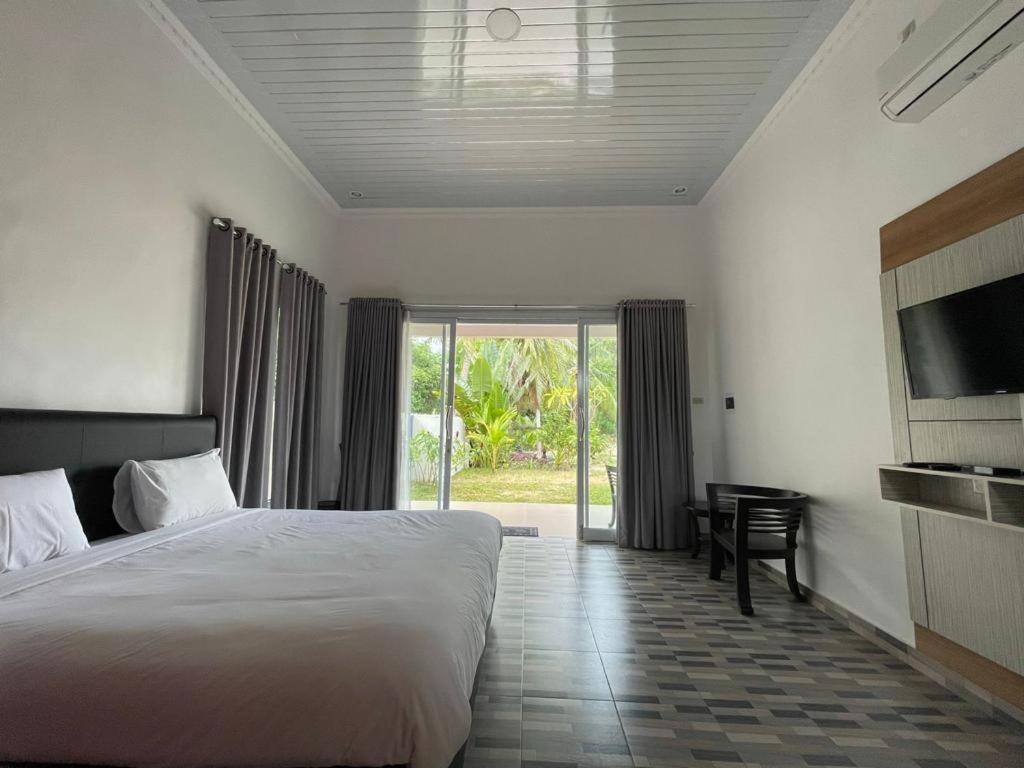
[(523, 485)]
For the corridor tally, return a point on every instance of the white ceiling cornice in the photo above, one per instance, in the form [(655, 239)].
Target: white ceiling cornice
[(201, 60), (619, 211)]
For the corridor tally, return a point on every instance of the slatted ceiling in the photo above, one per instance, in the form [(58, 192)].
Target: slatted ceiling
[(485, 51), (597, 102), (385, 70), (227, 8), (533, 16), (528, 34)]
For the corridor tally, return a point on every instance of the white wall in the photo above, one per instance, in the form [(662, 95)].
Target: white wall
[(114, 153), (793, 248), (536, 256)]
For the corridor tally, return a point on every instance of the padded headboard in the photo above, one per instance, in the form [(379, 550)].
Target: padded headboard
[(91, 447)]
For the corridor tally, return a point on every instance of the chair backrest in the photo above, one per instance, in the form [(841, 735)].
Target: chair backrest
[(759, 514), (759, 508), (613, 481)]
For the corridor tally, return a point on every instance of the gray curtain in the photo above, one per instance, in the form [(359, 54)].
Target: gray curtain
[(369, 405), (296, 458), (242, 277), (655, 449)]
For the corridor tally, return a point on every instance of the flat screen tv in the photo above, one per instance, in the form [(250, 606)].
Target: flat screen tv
[(968, 343)]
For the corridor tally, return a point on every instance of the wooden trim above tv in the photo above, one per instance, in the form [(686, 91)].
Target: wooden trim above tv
[(982, 201)]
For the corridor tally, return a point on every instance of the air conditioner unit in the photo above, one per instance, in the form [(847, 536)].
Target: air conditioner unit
[(953, 47)]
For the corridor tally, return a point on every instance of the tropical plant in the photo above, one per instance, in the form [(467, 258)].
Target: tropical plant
[(425, 378), (493, 434), (558, 435), (519, 394), (492, 421), (425, 452)]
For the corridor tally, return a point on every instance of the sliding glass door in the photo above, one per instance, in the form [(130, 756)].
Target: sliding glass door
[(513, 415), (426, 413), (597, 468)]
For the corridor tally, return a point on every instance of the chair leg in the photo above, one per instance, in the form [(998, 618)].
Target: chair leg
[(715, 573), (743, 586), (794, 587)]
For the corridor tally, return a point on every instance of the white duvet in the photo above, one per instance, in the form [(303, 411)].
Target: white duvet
[(252, 638)]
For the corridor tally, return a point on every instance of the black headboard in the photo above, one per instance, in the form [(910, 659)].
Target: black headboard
[(91, 447)]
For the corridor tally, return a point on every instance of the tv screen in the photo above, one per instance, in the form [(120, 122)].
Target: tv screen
[(967, 343)]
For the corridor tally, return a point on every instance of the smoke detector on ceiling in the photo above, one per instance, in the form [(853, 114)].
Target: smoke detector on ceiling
[(355, 195), (504, 24), (679, 191)]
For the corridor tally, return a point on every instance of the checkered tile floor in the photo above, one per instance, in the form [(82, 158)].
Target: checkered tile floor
[(605, 657)]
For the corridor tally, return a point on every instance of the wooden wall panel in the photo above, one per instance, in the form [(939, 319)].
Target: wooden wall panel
[(898, 395), (982, 201), (989, 443), (990, 255), (973, 575), (915, 566), (990, 407), (1009, 686), (964, 575)]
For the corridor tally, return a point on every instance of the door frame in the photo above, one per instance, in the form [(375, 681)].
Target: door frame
[(582, 318)]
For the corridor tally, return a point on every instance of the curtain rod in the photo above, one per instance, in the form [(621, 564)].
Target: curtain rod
[(524, 307), (223, 226)]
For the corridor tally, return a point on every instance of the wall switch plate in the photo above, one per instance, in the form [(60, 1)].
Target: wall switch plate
[(730, 403)]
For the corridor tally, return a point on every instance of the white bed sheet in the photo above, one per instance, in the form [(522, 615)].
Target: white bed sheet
[(252, 638)]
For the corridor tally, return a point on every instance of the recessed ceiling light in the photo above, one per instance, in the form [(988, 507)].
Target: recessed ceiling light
[(504, 24), (677, 191), (355, 195)]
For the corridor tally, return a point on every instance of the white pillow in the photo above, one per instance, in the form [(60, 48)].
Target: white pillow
[(157, 493), (37, 519)]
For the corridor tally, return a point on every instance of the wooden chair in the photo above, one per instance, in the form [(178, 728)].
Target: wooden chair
[(765, 524), (613, 481)]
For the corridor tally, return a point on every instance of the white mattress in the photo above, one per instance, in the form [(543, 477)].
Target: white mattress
[(252, 638)]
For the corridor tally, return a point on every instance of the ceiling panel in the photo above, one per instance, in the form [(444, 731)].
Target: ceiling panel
[(411, 103)]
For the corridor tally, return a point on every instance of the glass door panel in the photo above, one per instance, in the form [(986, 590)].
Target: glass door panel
[(599, 429), (517, 419), (514, 433), (426, 416)]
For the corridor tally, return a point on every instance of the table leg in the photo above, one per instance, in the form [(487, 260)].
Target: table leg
[(695, 533)]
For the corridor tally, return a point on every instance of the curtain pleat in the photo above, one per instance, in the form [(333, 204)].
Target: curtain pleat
[(242, 278), (296, 458), (369, 406), (655, 451)]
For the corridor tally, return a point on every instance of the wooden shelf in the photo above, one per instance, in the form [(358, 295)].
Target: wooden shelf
[(958, 475), (991, 500)]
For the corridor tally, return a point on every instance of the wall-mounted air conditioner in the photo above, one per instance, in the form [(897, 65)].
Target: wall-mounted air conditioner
[(953, 47)]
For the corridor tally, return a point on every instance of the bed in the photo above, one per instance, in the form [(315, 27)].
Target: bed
[(248, 638)]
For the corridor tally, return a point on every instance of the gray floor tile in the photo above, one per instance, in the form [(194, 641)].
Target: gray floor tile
[(573, 733), (641, 651), (558, 633), (564, 675)]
